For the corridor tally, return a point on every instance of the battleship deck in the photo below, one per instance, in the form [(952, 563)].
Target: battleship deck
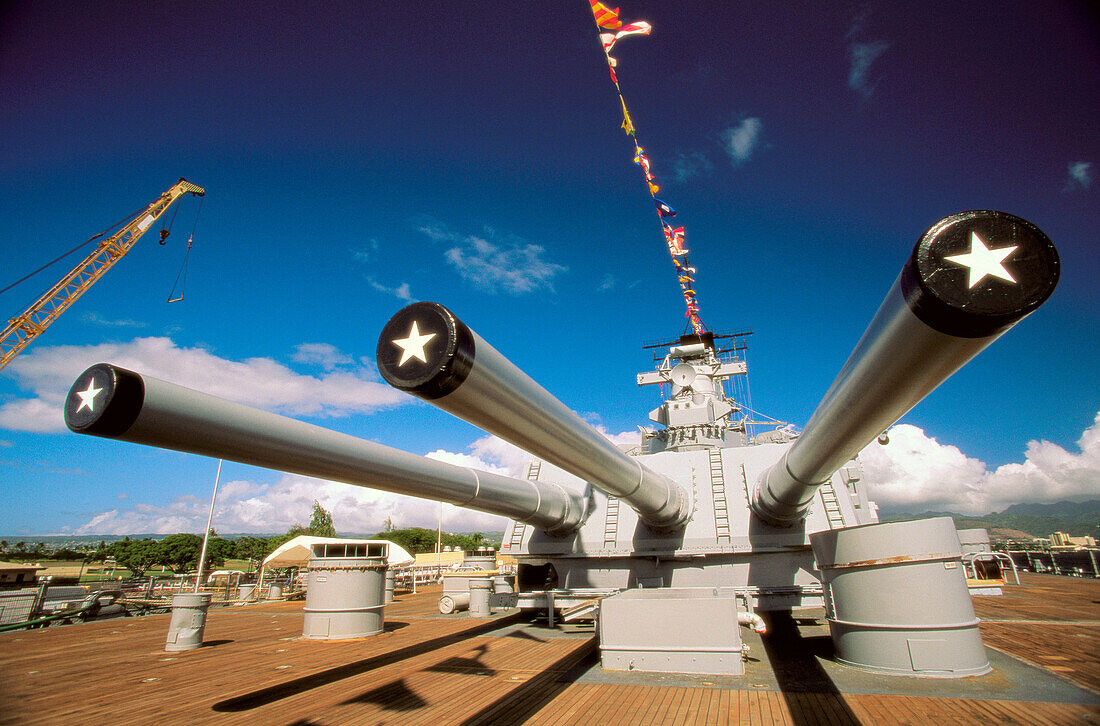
[(1043, 640)]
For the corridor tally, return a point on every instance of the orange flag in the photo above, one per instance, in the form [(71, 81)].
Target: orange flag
[(605, 16)]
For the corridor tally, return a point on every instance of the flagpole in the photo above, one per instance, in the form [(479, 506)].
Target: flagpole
[(209, 519)]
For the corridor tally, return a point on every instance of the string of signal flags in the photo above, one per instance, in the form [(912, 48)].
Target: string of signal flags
[(611, 30)]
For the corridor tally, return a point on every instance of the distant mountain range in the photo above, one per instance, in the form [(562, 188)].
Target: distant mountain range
[(1076, 519)]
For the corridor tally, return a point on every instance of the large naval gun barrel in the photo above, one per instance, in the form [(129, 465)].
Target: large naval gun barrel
[(427, 351), (971, 277), (113, 402)]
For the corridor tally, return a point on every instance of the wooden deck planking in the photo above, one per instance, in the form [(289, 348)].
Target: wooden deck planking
[(1043, 597), (694, 703), (744, 711), (923, 709), (430, 670), (713, 707), (687, 698), (879, 710), (446, 691), (489, 700), (671, 702), (811, 708), (621, 700), (575, 699), (843, 710), (1049, 621), (1062, 649), (955, 711), (612, 701), (102, 675), (525, 690), (774, 709), (760, 713)]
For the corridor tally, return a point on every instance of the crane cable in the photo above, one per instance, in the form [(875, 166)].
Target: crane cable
[(88, 241), (166, 229), (182, 274)]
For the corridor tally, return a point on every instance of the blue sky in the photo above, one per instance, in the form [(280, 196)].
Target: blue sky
[(360, 156)]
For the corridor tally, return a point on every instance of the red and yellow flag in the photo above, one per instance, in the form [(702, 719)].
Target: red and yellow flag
[(608, 19), (605, 16)]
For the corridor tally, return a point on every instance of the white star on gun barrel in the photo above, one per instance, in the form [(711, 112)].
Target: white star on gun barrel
[(413, 346), (87, 397), (982, 261)]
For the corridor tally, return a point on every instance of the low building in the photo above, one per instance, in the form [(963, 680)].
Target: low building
[(1061, 539), (444, 560), (18, 574)]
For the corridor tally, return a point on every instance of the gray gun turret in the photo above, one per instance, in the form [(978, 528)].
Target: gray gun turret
[(113, 402), (425, 350), (936, 317), (704, 505)]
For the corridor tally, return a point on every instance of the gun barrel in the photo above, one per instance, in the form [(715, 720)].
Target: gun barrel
[(970, 278), (427, 351), (113, 402)]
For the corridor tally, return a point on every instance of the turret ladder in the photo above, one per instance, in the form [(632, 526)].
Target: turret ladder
[(832, 506), (519, 528), (611, 524), (718, 492)]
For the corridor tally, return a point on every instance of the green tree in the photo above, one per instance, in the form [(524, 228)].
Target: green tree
[(218, 551), (253, 549), (100, 553), (179, 552), (413, 539), (465, 542), (320, 523), (137, 556), (279, 540)]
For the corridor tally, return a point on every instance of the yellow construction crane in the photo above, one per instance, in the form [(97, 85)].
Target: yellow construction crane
[(28, 325)]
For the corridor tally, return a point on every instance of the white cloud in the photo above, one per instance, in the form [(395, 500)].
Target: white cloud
[(686, 166), (494, 264), (367, 251), (325, 355), (507, 459), (607, 283), (742, 140), (913, 473), (401, 292), (95, 319), (262, 382), (862, 55), (244, 506), (1080, 175), (437, 232), (916, 473)]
